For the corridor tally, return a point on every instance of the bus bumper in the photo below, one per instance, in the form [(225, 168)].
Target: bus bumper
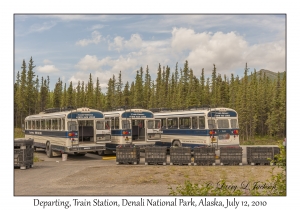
[(85, 148)]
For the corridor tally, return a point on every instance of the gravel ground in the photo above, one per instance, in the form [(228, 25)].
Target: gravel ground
[(93, 175)]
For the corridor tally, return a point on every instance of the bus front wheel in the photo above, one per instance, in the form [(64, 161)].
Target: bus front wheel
[(49, 150), (100, 152), (176, 143)]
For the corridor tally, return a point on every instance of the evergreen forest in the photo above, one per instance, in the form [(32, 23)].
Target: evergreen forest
[(259, 99)]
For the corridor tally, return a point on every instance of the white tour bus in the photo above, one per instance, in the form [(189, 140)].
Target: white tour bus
[(132, 126), (77, 131), (199, 127)]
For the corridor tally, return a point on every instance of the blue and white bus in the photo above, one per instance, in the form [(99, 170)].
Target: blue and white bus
[(132, 126), (76, 131), (199, 127)]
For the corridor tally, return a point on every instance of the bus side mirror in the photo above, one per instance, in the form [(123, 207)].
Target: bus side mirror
[(23, 130)]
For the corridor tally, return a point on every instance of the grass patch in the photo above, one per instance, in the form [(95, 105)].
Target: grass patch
[(18, 133), (261, 140), (36, 159)]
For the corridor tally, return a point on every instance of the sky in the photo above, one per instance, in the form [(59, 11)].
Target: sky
[(71, 47)]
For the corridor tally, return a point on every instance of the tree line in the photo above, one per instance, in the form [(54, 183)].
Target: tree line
[(259, 100)]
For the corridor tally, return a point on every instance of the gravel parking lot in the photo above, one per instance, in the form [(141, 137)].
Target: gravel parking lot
[(93, 175)]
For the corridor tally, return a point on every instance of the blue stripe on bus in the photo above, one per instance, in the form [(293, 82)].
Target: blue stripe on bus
[(194, 132), (119, 132), (62, 134), (185, 132)]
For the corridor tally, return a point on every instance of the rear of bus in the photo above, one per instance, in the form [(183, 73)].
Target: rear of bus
[(223, 128), (134, 126), (86, 131), (145, 130)]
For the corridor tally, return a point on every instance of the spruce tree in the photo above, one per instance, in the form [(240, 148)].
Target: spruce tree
[(119, 88), (126, 95), (70, 96), (98, 96), (90, 93), (57, 94), (30, 89), (147, 89)]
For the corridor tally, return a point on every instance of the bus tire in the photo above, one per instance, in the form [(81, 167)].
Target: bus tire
[(49, 150), (100, 152), (176, 143)]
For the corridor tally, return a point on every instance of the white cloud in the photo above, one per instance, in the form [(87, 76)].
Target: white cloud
[(229, 51), (47, 69), (105, 68), (91, 62), (103, 77), (46, 61), (42, 27), (96, 38), (267, 56), (98, 26), (117, 44), (135, 42)]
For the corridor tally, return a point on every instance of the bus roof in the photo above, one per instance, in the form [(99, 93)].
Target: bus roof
[(62, 114), (196, 112)]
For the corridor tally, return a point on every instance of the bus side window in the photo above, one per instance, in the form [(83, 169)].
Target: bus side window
[(54, 124), (112, 123), (107, 123), (201, 123), (184, 122), (62, 124), (194, 123), (48, 124), (164, 123), (42, 124), (117, 123), (58, 124), (173, 123), (38, 125)]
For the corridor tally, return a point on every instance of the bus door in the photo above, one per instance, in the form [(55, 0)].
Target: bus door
[(153, 131), (86, 130), (138, 130), (103, 130)]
